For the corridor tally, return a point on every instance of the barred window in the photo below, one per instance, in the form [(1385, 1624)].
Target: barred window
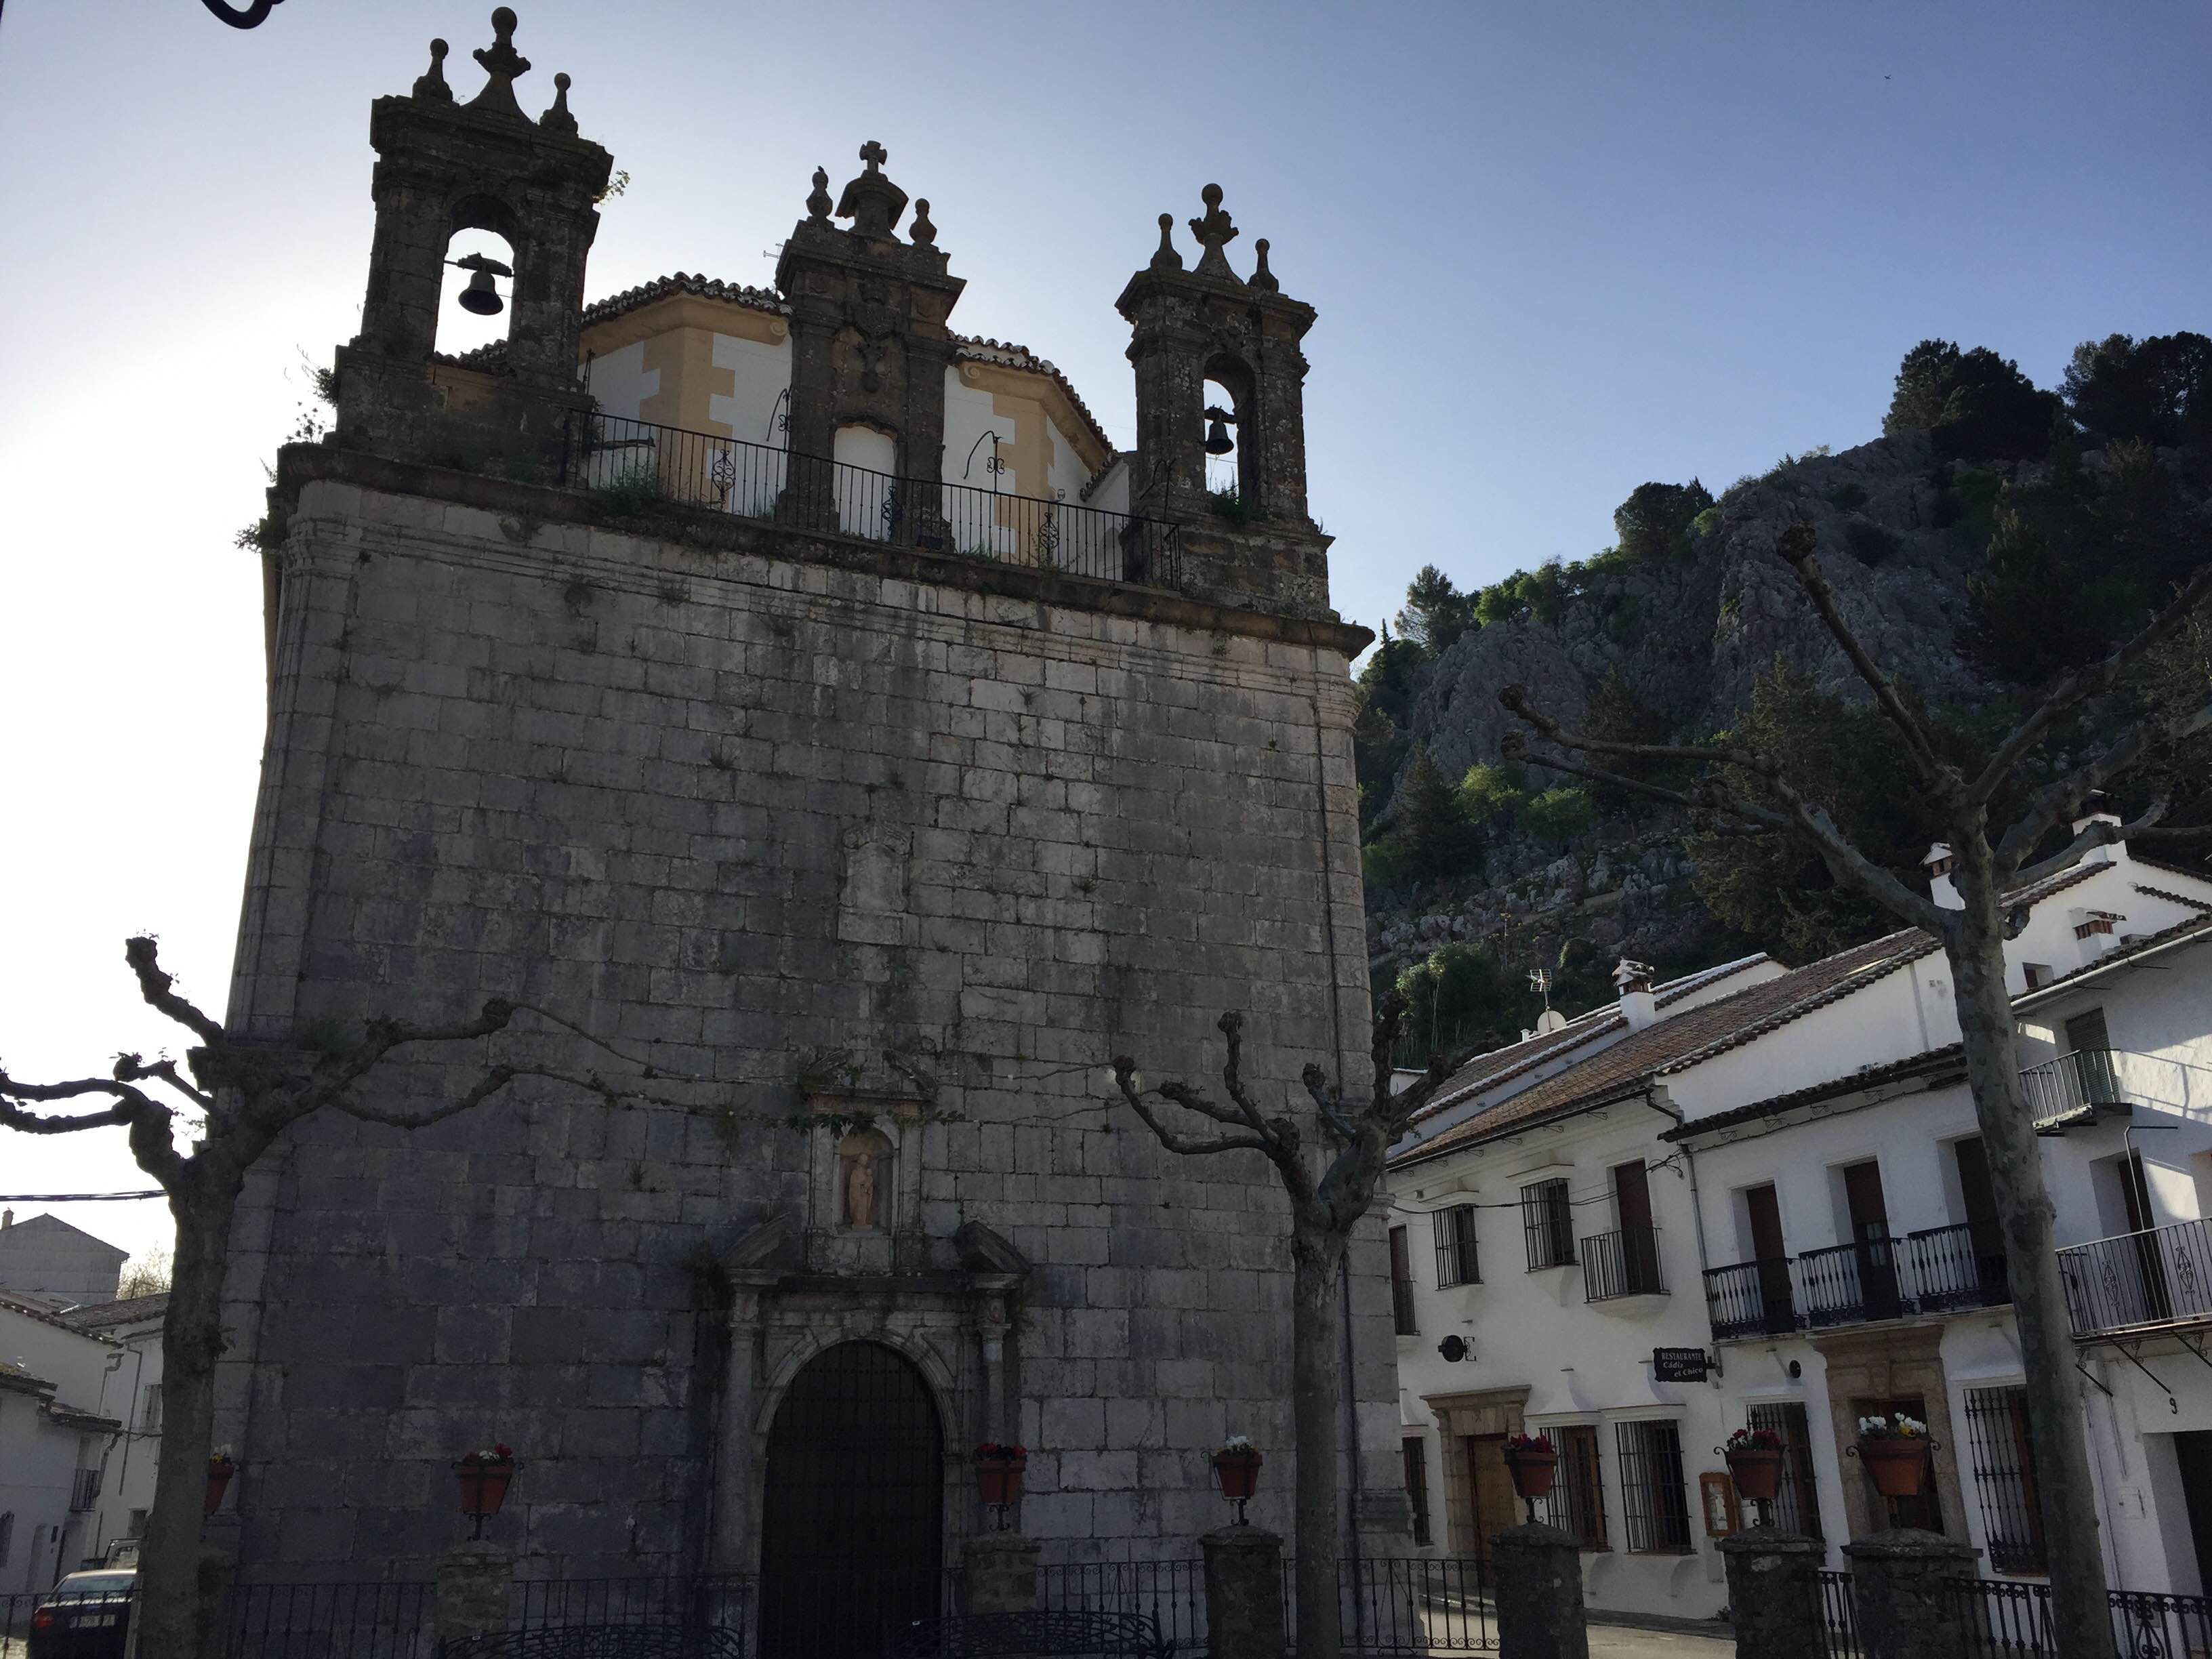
[(2004, 1478), (1577, 1504), (1415, 1452), (1455, 1259), (1797, 1500), (1402, 1282), (1651, 1489), (7, 1536), (1548, 1225)]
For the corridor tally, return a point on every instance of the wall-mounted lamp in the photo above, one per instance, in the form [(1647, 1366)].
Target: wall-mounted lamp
[(480, 296)]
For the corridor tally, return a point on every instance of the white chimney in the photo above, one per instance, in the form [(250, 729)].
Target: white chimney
[(1937, 864), (7, 1218), (2097, 808), (2098, 930), (1637, 1005)]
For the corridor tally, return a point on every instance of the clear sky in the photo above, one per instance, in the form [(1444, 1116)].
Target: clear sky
[(1557, 248)]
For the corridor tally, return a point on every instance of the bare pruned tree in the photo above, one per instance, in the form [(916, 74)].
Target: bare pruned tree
[(232, 1099), (1330, 1186), (1746, 791)]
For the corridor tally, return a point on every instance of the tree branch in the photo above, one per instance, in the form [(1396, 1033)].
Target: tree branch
[(129, 1069), (1794, 546), (1332, 1119), (2063, 797), (1125, 1073), (2084, 683), (143, 954)]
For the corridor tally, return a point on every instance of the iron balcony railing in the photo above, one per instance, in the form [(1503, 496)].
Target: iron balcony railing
[(636, 465), (1624, 1263), (1751, 1299), (2160, 1276), (1958, 1266), (1850, 1284), (2085, 1080)]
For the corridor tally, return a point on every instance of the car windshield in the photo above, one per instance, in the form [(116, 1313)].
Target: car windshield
[(95, 1584)]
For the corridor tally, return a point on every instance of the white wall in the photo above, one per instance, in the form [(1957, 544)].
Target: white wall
[(620, 381), (39, 1457), (762, 374)]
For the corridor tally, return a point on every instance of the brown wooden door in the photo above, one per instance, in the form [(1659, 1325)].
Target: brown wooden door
[(1639, 1248), (1776, 1303), (1875, 1255), (1491, 1489)]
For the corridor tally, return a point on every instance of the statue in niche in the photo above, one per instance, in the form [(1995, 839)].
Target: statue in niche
[(863, 1166)]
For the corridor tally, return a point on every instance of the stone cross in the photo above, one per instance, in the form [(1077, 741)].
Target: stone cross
[(874, 155)]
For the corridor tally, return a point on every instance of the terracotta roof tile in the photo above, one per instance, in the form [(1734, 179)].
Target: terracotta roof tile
[(2175, 866), (2173, 898), (127, 1311)]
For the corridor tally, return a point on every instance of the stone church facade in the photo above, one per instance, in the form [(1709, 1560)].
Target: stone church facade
[(831, 822)]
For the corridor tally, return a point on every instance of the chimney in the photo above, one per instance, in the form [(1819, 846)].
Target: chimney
[(7, 1218), (2097, 808), (2098, 930), (1938, 865), (1637, 1005)]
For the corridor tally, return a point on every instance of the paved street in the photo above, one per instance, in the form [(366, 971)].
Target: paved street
[(1617, 1642)]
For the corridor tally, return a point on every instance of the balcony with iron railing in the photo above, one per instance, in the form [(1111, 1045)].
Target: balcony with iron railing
[(2158, 1279), (1622, 1264), (1936, 1270), (636, 466), (2084, 1085)]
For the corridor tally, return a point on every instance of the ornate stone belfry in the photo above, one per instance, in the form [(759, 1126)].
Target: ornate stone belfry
[(1208, 323), (443, 168), (869, 342)]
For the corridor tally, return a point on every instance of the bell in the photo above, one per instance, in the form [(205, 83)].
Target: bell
[(480, 296), (1217, 440)]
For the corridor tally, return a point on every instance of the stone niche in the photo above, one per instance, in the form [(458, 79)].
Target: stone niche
[(864, 1185)]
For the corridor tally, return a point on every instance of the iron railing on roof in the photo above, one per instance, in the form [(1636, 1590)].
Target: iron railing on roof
[(637, 465)]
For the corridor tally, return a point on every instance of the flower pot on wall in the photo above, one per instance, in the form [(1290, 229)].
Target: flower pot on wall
[(1238, 1474), (1001, 1478), (1532, 1471), (483, 1485), (1900, 1466), (1757, 1473), (218, 1482)]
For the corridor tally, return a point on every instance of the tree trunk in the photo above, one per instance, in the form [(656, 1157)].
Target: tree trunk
[(1315, 1386), (191, 1341), (2080, 1610)]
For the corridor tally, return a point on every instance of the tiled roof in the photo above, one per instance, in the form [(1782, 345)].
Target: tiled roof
[(684, 282), (1629, 1066), (33, 1308), (128, 1310), (2173, 898), (2173, 865), (2166, 936), (1942, 1062)]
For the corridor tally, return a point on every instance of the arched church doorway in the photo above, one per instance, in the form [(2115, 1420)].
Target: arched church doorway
[(853, 1515)]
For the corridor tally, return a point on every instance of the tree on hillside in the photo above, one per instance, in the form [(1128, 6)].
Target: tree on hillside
[(1655, 518), (2156, 391), (1389, 681), (1436, 613), (144, 1275), (1330, 1166), (233, 1099), (1431, 827), (1747, 790), (1978, 405)]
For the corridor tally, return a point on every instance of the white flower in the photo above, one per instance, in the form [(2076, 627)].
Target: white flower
[(1237, 1443)]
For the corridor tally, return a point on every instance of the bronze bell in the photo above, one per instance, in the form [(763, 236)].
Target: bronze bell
[(1217, 440), (480, 296)]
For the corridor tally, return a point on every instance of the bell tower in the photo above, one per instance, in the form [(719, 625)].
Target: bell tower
[(1259, 547), (870, 340), (444, 168)]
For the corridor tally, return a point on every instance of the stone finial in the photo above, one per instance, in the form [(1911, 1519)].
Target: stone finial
[(1167, 259), (503, 64), (817, 199), (557, 119), (923, 232), (1261, 276), (871, 201), (1214, 232), (430, 86)]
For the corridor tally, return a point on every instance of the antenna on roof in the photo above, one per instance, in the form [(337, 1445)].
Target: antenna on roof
[(1539, 981)]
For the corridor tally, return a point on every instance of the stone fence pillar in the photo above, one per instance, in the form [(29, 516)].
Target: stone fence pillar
[(1001, 1573), (1243, 1593), (473, 1580), (1539, 1571), (1902, 1590), (1774, 1593)]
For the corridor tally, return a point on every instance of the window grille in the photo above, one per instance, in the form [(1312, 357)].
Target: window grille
[(1548, 1224), (1657, 1504), (1401, 1282), (1577, 1504), (1456, 1263), (84, 1492), (2004, 1478), (7, 1536), (1414, 1449), (1797, 1500), (149, 1412)]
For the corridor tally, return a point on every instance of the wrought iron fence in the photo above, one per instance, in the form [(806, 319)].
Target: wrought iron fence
[(2158, 1277), (1846, 1283), (1413, 1606), (2010, 1618), (1751, 1299), (1624, 1263), (305, 1621), (637, 464), (1173, 1594), (1839, 1627), (2087, 1078), (1958, 1266)]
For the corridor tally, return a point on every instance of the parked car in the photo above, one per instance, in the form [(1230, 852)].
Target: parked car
[(87, 1616)]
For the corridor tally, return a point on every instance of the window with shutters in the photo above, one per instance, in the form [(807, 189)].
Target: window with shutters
[(1456, 1263), (1577, 1504), (1547, 1223), (1415, 1452), (1656, 1504), (2004, 1478)]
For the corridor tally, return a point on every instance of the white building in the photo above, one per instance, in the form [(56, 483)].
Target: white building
[(47, 1258), (1779, 1170), (56, 1431), (132, 1396)]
